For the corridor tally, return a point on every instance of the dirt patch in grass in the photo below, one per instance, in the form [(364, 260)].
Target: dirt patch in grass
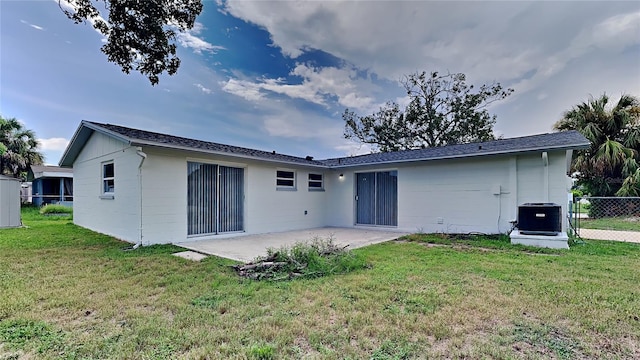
[(532, 337), (463, 242)]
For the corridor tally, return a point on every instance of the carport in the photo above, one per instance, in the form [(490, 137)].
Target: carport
[(248, 247)]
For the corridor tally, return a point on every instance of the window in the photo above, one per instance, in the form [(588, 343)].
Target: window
[(108, 178), (285, 179), (315, 182)]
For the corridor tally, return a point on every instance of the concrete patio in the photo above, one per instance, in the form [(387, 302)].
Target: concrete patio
[(248, 247)]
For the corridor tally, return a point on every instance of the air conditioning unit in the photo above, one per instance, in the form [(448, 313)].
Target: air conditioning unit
[(540, 219)]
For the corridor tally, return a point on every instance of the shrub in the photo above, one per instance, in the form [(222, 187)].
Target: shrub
[(316, 258), (55, 209)]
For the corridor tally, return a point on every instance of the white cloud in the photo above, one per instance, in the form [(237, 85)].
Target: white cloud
[(618, 31), (246, 89), (292, 124), (203, 89), (317, 85), (189, 39), (418, 36), (32, 25), (53, 144), (500, 41), (597, 41), (352, 148)]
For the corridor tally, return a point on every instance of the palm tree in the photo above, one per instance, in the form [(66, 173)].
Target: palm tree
[(18, 148), (610, 166)]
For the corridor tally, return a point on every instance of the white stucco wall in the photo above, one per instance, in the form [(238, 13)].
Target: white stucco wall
[(164, 212), (459, 196), (463, 195), (455, 196), (534, 182), (340, 210), (273, 210), (120, 216), (164, 194)]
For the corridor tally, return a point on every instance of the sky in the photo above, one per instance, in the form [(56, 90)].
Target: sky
[(277, 75)]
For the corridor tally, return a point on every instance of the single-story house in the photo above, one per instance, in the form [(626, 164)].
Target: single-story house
[(150, 188), (50, 184)]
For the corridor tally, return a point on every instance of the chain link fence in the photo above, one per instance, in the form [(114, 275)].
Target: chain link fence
[(606, 218)]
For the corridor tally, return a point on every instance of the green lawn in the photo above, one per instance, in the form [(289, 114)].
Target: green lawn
[(67, 292), (580, 208), (614, 223)]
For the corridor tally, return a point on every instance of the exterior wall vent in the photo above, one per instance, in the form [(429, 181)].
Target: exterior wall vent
[(540, 219)]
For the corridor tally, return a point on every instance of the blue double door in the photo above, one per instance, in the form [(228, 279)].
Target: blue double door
[(377, 198)]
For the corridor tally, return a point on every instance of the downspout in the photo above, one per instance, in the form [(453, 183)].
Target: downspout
[(545, 181), (143, 157)]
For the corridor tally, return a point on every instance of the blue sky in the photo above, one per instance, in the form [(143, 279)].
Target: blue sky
[(278, 75)]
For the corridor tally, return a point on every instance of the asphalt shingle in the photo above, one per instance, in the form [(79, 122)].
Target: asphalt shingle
[(136, 136), (558, 140)]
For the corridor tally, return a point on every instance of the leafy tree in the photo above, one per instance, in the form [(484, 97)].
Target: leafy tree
[(20, 148), (610, 165), (140, 34), (442, 110)]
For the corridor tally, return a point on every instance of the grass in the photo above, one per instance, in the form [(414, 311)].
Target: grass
[(56, 209), (71, 293), (581, 208), (628, 223)]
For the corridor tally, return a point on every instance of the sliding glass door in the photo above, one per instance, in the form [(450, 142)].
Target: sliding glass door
[(377, 198), (215, 199)]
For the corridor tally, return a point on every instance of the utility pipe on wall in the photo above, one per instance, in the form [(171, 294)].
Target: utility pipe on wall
[(545, 181), (143, 157)]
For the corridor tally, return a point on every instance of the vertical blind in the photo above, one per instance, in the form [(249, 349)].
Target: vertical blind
[(377, 198), (215, 198), (387, 198), (365, 192), (231, 196)]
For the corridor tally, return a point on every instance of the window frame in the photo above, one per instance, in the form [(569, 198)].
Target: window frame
[(315, 181), (293, 179), (104, 192)]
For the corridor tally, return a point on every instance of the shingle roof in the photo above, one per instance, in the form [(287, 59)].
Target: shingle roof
[(141, 137), (550, 141), (560, 140)]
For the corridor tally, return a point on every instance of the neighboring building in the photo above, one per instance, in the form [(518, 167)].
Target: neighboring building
[(149, 188), (25, 192), (50, 184)]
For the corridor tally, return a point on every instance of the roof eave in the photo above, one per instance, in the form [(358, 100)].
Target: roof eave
[(80, 138), (222, 153), (50, 174)]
